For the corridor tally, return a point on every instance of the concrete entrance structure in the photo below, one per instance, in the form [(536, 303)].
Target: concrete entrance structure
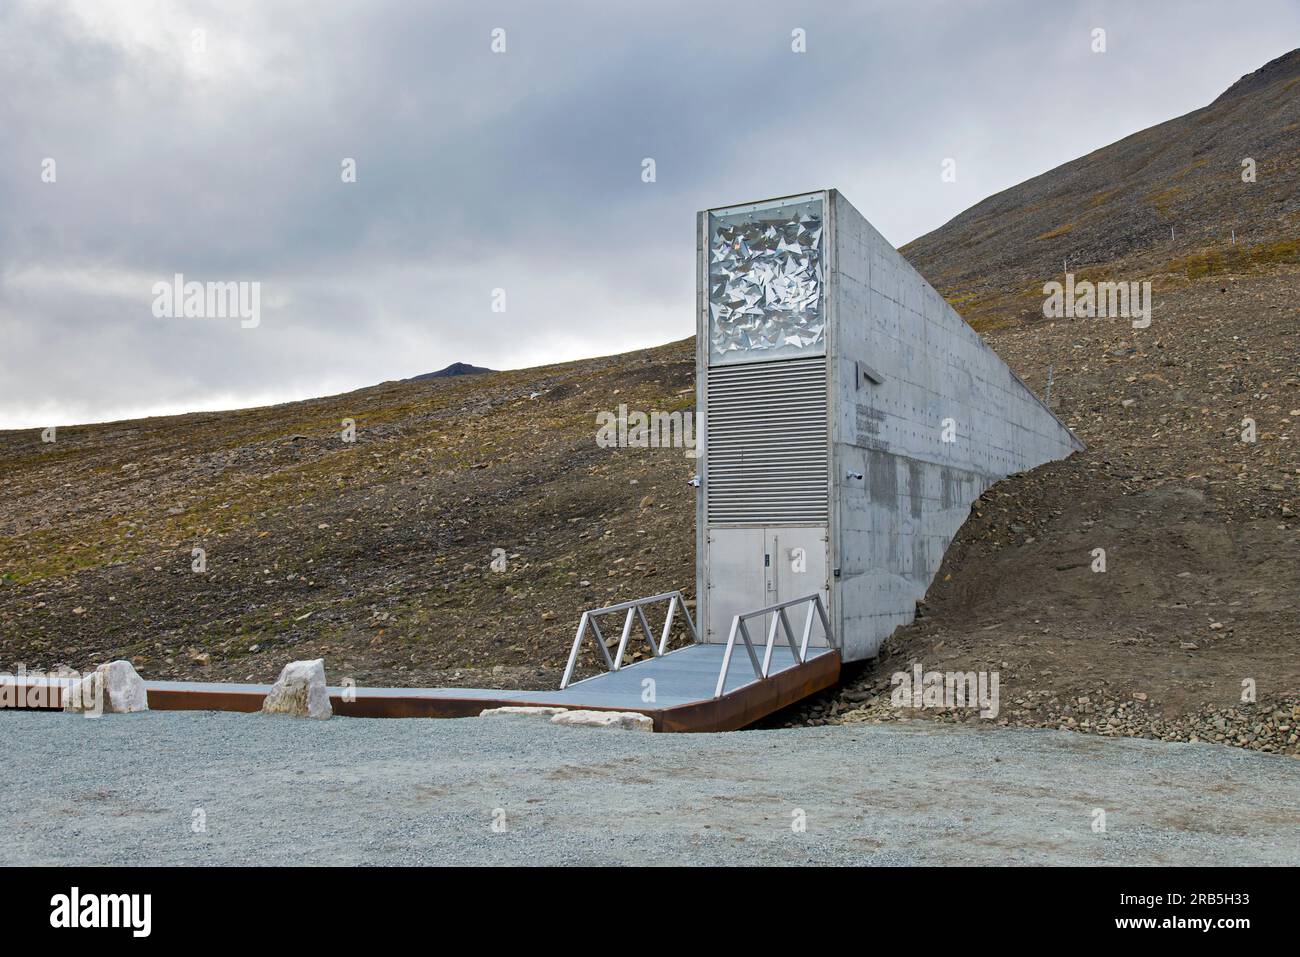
[(848, 416)]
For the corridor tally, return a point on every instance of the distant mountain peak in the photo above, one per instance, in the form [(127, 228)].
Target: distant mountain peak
[(456, 368)]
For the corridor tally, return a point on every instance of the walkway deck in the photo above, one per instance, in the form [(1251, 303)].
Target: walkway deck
[(682, 699)]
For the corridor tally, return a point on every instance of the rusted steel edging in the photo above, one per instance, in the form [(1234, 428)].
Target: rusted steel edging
[(744, 706)]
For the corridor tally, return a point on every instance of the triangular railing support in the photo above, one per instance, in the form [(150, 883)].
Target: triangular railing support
[(635, 615)]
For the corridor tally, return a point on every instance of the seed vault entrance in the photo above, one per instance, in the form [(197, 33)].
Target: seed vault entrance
[(848, 418)]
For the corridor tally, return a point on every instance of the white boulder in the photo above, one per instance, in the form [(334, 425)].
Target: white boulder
[(113, 688), (521, 711), (300, 691), (621, 720)]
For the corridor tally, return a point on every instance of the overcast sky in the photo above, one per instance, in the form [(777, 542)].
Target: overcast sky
[(218, 155)]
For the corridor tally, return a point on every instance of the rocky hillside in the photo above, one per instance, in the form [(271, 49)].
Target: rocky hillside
[(378, 553), (1199, 531), (1196, 606)]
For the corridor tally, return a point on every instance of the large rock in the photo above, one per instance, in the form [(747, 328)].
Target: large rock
[(115, 687), (621, 720), (522, 711), (300, 691)]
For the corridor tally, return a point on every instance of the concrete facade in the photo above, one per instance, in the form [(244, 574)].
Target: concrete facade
[(939, 381), (922, 417)]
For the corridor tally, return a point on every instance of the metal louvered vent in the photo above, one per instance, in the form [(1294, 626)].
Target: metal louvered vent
[(766, 443)]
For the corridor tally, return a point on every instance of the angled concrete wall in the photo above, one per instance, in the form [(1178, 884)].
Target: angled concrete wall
[(900, 491)]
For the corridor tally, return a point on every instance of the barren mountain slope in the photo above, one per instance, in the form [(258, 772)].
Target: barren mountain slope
[(1109, 214)]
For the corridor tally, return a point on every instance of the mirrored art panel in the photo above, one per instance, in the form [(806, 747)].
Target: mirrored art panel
[(765, 281)]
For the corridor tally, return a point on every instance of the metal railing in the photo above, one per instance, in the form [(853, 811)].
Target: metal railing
[(635, 612), (779, 619)]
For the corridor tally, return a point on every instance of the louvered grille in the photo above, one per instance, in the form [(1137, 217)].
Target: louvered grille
[(767, 443)]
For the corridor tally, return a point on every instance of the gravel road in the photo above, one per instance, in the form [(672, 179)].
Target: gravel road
[(129, 789)]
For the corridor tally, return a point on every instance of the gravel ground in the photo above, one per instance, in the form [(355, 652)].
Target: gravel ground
[(127, 789)]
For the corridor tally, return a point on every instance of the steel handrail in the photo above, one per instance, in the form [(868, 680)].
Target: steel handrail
[(779, 618), (635, 612)]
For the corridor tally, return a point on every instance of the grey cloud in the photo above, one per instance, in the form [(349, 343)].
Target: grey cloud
[(479, 171)]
